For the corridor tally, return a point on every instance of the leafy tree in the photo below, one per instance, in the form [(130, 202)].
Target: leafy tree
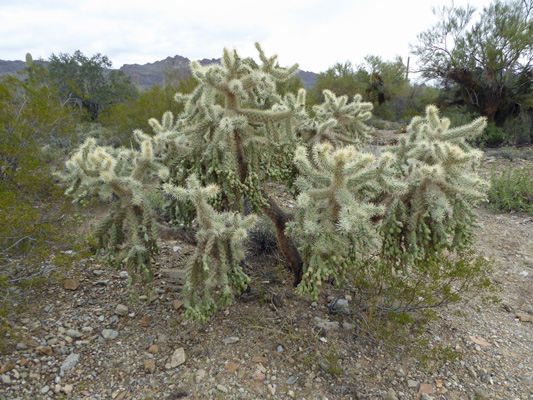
[(341, 79), (487, 62), (386, 79), (89, 83), (121, 119)]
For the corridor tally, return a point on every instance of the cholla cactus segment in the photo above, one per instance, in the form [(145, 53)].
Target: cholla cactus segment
[(341, 122), (435, 212), (214, 272)]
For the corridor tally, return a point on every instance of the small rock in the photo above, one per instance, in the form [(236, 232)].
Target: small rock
[(69, 363), (123, 275), (71, 284), (200, 375), (8, 366), (45, 389), (175, 249), (231, 367), (292, 380), (391, 395), (48, 308), (109, 334), (47, 350), (121, 309), (98, 272), (177, 358), (154, 349), (67, 389), (425, 388), (6, 380), (326, 325), (259, 376), (222, 388), (479, 340), (412, 383), (481, 395), (174, 274), (57, 388), (74, 334), (280, 349), (341, 305), (523, 317), (149, 365), (400, 373), (230, 340), (177, 304), (259, 359), (22, 346), (145, 321)]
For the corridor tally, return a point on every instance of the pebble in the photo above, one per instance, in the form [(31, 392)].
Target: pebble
[(6, 379), (71, 284), (68, 389), (109, 334), (69, 363), (149, 365), (123, 275), (154, 349), (45, 389), (292, 380), (230, 340), (341, 305), (98, 272), (121, 309), (412, 383), (177, 358), (74, 333), (222, 388)]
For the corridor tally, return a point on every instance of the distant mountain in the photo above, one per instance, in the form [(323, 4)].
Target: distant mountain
[(150, 74)]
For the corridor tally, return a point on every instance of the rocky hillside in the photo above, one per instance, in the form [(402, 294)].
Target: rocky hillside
[(147, 75)]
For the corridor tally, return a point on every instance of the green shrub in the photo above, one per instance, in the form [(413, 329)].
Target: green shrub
[(512, 190)]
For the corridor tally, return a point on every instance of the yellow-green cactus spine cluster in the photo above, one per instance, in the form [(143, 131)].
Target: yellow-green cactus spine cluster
[(435, 213), (214, 271), (339, 121)]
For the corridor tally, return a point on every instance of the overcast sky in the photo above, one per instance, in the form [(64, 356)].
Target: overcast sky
[(314, 33)]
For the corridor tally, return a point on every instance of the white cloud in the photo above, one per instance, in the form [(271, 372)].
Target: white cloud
[(314, 33)]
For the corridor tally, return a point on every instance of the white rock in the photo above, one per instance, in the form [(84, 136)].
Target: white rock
[(109, 334), (121, 309), (178, 358), (69, 362), (68, 389)]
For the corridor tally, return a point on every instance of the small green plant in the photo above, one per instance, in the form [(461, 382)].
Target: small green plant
[(512, 190)]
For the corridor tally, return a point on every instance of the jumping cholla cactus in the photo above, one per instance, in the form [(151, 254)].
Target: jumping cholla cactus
[(335, 209), (214, 270), (129, 232), (435, 213), (236, 135)]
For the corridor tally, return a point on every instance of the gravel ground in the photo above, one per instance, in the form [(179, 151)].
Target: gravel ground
[(89, 337)]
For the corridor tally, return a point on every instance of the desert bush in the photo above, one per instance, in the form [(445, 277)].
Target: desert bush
[(512, 190), (34, 217), (236, 136)]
